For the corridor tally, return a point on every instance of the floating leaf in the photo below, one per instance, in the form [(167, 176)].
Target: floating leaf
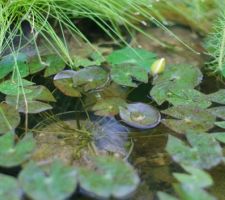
[(35, 65), (220, 124), (178, 77), (188, 118), (124, 74), (140, 115), (188, 97), (90, 78), (11, 87), (220, 136), (199, 155), (57, 183), (218, 111), (217, 97), (9, 188), (32, 105), (54, 64), (64, 82), (165, 196), (12, 154), (8, 63), (108, 106), (112, 178), (196, 177), (9, 118), (139, 57)]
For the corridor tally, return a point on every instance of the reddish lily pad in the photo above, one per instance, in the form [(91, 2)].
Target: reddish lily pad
[(140, 115), (64, 82)]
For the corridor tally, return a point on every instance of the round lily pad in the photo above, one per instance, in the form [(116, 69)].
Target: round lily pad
[(140, 115), (109, 177)]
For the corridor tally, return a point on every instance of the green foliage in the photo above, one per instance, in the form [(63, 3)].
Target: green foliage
[(188, 118), (199, 154), (215, 44), (9, 188), (13, 154), (108, 106), (56, 183), (112, 178), (175, 78), (9, 118)]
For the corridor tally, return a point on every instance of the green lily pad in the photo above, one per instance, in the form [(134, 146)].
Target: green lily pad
[(196, 177), (188, 118), (124, 74), (9, 188), (108, 106), (110, 177), (220, 136), (9, 62), (13, 154), (9, 118), (217, 97), (35, 65), (220, 124), (165, 196), (64, 82), (90, 78), (54, 64), (199, 154), (218, 111), (30, 106), (11, 87), (56, 183), (174, 78), (140, 115), (139, 57), (188, 97)]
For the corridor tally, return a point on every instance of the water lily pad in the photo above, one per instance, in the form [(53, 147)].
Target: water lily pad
[(9, 118), (188, 118), (196, 177), (220, 136), (199, 154), (54, 65), (188, 97), (30, 106), (90, 78), (218, 111), (9, 62), (11, 87), (124, 74), (108, 106), (9, 188), (217, 97), (35, 65), (56, 183), (140, 115), (13, 154), (138, 57), (64, 82), (220, 124), (176, 77), (110, 177), (165, 196)]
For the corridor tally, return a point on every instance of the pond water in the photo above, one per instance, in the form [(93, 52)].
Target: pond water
[(144, 149)]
